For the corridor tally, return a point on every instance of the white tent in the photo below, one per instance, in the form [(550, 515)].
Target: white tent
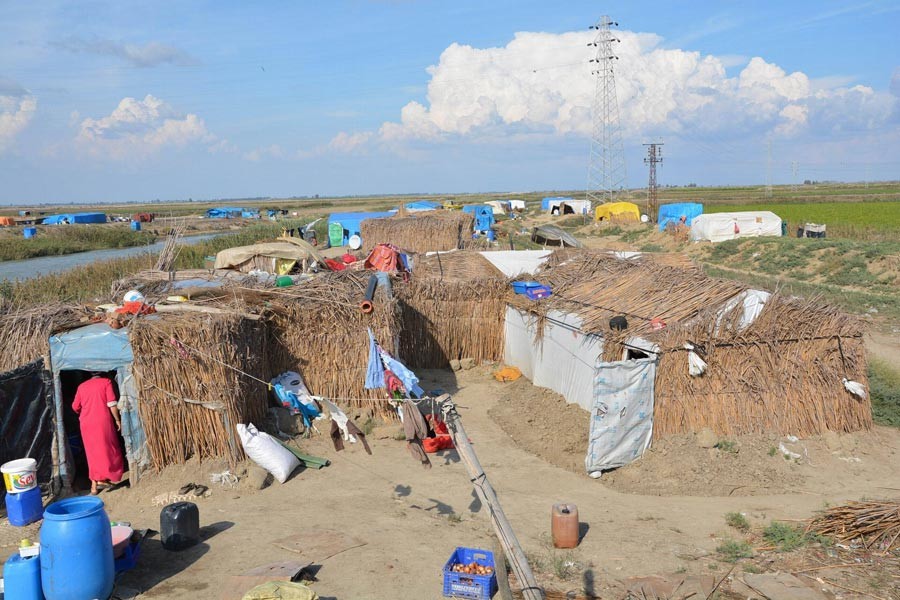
[(497, 207), (578, 207), (718, 227), (517, 205)]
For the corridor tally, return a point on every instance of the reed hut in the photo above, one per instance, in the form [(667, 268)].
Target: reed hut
[(773, 363), (453, 307), (319, 330), (198, 375), (437, 230)]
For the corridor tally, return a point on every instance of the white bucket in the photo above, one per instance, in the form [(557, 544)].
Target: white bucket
[(19, 475)]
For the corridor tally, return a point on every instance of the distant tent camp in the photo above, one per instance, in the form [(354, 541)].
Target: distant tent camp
[(673, 213), (224, 212), (618, 211), (718, 227), (80, 218), (550, 235)]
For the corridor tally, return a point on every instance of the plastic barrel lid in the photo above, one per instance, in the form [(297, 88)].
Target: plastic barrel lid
[(355, 242)]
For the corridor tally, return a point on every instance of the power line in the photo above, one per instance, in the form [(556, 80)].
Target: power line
[(654, 156), (606, 169)]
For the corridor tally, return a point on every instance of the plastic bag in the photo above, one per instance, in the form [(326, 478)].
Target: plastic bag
[(696, 365), (855, 388), (265, 451)]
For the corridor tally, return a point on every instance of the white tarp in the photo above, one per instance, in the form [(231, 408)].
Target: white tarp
[(622, 413), (513, 263), (563, 360), (517, 205), (718, 227), (752, 303)]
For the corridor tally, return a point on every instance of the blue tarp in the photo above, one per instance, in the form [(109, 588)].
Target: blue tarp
[(95, 347), (83, 217), (420, 205), (351, 222), (476, 209), (546, 203), (672, 213), (249, 213)]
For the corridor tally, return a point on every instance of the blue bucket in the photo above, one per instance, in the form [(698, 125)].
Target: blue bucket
[(29, 232), (135, 225)]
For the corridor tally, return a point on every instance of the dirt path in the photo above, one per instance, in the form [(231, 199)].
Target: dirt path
[(411, 519)]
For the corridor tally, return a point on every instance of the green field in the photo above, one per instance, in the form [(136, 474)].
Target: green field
[(847, 219)]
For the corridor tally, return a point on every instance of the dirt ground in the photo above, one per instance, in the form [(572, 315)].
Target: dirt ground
[(410, 519)]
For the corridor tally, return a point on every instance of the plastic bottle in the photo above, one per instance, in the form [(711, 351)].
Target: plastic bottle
[(564, 525), (22, 578)]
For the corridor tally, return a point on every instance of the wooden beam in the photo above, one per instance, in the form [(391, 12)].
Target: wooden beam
[(488, 497)]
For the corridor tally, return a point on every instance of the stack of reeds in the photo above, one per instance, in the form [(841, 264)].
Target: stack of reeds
[(195, 379), (460, 265), (420, 233), (875, 524), (171, 248), (25, 332), (318, 330), (450, 319)]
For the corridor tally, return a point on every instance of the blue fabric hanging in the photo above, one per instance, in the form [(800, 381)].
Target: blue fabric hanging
[(290, 400), (409, 379), (375, 369)]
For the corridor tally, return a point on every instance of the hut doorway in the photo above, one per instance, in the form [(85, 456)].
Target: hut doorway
[(69, 380)]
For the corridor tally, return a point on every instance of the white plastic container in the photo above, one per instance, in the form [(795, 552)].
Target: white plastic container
[(19, 475)]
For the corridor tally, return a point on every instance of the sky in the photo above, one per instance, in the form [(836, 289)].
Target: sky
[(123, 101)]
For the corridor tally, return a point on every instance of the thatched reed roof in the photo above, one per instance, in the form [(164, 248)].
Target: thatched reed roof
[(25, 332), (461, 265), (423, 232)]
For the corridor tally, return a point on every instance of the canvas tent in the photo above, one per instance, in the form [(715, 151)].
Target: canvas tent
[(224, 212), (79, 218), (674, 213), (516, 205), (718, 227), (350, 224), (272, 257), (547, 204), (618, 211), (7, 221), (550, 235), (497, 207)]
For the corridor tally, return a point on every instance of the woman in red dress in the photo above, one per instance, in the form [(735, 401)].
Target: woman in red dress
[(98, 415)]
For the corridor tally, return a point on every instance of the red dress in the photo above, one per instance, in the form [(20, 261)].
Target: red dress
[(98, 429)]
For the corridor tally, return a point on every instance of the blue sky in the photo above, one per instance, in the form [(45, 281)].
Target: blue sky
[(103, 101)]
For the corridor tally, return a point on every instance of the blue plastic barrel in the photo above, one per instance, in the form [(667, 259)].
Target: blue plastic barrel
[(22, 578), (135, 225), (25, 507), (76, 550), (490, 235), (29, 232)]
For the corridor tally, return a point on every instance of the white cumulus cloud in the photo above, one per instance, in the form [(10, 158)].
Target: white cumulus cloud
[(17, 108), (541, 83), (141, 128)]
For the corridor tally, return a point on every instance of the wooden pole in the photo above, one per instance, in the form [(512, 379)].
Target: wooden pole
[(504, 531)]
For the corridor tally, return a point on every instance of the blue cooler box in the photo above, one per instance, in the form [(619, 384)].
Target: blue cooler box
[(24, 508)]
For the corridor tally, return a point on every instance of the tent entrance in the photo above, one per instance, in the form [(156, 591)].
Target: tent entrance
[(69, 381)]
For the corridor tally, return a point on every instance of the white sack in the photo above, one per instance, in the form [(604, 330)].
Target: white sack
[(265, 451)]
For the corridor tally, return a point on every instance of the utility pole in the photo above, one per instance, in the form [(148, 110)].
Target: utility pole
[(768, 168), (868, 173), (795, 168), (606, 169), (654, 156)]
